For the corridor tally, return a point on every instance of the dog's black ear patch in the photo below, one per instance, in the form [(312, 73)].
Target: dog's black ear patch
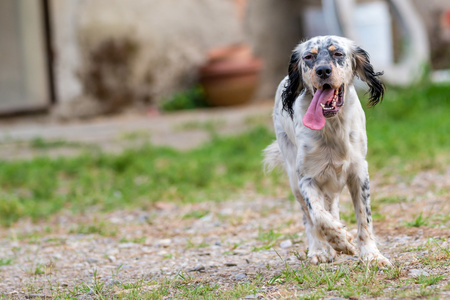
[(294, 85), (364, 70)]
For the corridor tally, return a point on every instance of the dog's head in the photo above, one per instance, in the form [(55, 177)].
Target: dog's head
[(325, 66)]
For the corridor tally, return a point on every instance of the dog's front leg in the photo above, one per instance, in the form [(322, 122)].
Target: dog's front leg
[(329, 227), (359, 187)]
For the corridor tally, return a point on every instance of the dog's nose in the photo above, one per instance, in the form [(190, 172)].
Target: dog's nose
[(323, 71)]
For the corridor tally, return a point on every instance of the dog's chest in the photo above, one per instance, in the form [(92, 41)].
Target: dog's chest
[(326, 159)]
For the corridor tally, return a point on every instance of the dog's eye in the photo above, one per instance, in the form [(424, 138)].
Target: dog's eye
[(308, 57), (338, 54)]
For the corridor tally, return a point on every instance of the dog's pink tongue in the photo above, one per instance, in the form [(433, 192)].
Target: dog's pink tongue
[(314, 118)]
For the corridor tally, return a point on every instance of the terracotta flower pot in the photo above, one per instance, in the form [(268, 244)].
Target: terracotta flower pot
[(231, 76)]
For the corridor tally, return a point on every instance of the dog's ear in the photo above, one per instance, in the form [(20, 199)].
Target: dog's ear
[(294, 84), (364, 70)]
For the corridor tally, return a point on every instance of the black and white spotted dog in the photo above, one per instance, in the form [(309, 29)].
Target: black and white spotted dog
[(322, 143)]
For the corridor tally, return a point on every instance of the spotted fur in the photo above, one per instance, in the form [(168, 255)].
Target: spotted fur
[(320, 163)]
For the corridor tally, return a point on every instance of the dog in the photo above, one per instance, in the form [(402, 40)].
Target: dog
[(321, 142)]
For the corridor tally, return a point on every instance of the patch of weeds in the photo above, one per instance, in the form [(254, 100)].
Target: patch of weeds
[(138, 240), (299, 256), (135, 135), (331, 280), (241, 290), (132, 285), (189, 99), (275, 279), (37, 269), (414, 249), (292, 236), (41, 143), (429, 280), (33, 237), (196, 214), (190, 244), (394, 272), (168, 256), (268, 236), (5, 261), (418, 222), (203, 245), (437, 256), (97, 288), (442, 249), (264, 247), (194, 291), (102, 228), (160, 291), (391, 200)]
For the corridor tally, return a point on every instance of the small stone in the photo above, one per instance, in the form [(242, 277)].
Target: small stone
[(240, 276), (124, 267), (286, 244), (230, 264), (251, 296), (198, 268), (112, 252), (111, 258), (417, 272), (165, 243), (218, 243), (92, 260), (126, 245)]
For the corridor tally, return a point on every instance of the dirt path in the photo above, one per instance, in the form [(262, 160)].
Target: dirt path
[(224, 244), (218, 243), (182, 130)]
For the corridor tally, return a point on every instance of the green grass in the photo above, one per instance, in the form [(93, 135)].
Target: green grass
[(407, 132), (5, 261), (417, 222), (291, 280), (97, 227), (137, 177)]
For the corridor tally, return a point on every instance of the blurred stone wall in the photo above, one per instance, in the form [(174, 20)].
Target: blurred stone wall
[(113, 53)]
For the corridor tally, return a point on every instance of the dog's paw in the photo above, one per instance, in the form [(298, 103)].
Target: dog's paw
[(322, 256), (376, 258), (344, 244)]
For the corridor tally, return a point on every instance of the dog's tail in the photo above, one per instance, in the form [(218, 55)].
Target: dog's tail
[(272, 157)]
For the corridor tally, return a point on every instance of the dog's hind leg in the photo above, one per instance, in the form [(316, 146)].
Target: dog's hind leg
[(358, 185), (329, 227)]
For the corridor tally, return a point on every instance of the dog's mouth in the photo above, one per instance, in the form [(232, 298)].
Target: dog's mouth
[(331, 107), (325, 104)]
